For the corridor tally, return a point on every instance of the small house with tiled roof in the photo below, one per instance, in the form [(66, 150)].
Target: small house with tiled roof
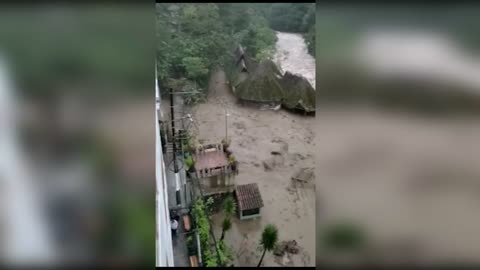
[(213, 169), (249, 200)]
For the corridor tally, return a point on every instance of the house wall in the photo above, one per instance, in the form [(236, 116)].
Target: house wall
[(221, 180), (163, 241), (242, 217)]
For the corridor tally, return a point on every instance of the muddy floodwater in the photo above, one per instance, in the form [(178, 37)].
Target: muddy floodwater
[(255, 134), (292, 56)]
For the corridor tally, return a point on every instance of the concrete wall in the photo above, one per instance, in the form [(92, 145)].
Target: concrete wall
[(242, 217), (221, 180), (164, 248)]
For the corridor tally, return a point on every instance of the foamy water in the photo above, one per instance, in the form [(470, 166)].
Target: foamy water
[(292, 56)]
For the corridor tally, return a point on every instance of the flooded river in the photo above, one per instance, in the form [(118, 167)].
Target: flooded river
[(292, 55)]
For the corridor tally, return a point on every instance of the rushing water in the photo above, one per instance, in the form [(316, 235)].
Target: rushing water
[(292, 56)]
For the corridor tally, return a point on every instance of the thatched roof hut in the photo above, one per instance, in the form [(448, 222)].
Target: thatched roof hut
[(299, 93), (264, 83)]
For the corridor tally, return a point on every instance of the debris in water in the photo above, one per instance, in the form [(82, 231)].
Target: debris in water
[(303, 175), (286, 247), (274, 161), (267, 166)]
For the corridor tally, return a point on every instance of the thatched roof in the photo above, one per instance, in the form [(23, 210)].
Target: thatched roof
[(263, 82), (299, 93)]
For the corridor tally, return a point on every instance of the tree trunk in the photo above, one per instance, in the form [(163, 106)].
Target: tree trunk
[(261, 259)]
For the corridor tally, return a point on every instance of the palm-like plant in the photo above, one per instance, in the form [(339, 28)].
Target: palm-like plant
[(229, 206), (269, 240), (226, 225)]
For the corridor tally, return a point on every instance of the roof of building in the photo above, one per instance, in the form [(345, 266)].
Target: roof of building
[(300, 95), (262, 81), (248, 196), (209, 159), (263, 84)]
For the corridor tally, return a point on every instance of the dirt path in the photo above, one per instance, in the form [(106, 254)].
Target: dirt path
[(255, 133)]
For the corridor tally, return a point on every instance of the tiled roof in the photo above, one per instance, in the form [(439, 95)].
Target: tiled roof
[(210, 160), (248, 196)]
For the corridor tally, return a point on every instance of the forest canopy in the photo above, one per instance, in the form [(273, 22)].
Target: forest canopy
[(294, 17), (193, 39)]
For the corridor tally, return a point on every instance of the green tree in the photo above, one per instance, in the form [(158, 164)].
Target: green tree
[(289, 17), (292, 17), (229, 207), (226, 225), (310, 40), (191, 42), (195, 68), (193, 39), (199, 19), (308, 20), (189, 162), (269, 240)]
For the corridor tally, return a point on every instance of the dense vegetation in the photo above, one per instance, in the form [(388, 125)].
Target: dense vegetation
[(193, 39), (213, 255), (310, 40), (294, 17)]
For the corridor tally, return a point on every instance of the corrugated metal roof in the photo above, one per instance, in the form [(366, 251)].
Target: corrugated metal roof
[(248, 196)]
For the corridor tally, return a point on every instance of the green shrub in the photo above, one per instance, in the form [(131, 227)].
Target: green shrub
[(189, 162), (231, 159)]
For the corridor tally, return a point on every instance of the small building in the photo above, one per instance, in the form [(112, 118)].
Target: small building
[(213, 169), (249, 201)]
